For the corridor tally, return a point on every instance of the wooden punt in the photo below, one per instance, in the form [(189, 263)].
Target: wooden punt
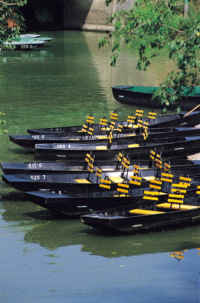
[(24, 45), (27, 41), (76, 204), (168, 120), (187, 145), (144, 218), (66, 166), (48, 167), (142, 96), (70, 182), (91, 181), (160, 135)]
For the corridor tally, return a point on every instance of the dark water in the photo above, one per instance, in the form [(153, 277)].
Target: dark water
[(46, 260)]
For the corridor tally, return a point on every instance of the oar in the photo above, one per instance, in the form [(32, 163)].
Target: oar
[(192, 110)]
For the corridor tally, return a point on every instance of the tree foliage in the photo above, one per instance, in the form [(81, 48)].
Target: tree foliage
[(11, 20), (11, 24), (155, 25)]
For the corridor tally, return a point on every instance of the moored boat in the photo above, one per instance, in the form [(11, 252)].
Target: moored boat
[(168, 120), (27, 41), (76, 204), (142, 96), (187, 145), (97, 180), (157, 135), (123, 196), (144, 218), (71, 182), (48, 167)]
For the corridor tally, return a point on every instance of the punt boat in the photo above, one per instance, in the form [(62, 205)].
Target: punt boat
[(142, 96), (122, 196), (157, 135), (72, 182), (76, 204), (168, 120), (48, 167), (72, 151), (93, 181), (27, 41), (143, 217)]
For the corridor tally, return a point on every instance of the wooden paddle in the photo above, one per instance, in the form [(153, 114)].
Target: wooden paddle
[(192, 110)]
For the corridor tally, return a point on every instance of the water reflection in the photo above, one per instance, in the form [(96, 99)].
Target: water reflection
[(48, 231), (51, 233), (54, 234), (38, 55), (180, 255)]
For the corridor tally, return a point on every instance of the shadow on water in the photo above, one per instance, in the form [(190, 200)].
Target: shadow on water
[(51, 232), (60, 233)]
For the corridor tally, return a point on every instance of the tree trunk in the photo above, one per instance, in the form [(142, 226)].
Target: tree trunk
[(186, 8)]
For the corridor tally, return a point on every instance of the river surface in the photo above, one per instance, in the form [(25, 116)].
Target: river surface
[(49, 260)]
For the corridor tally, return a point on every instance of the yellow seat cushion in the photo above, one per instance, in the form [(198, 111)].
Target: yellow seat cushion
[(149, 178), (145, 211), (130, 135), (177, 206), (132, 126), (133, 145), (102, 137), (121, 195), (84, 181), (104, 147), (117, 179)]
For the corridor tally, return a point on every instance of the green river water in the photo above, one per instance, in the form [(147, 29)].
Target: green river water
[(49, 260)]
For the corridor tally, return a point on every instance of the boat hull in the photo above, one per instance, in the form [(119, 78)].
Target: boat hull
[(74, 182), (170, 120), (123, 94), (134, 151), (87, 182), (51, 167), (161, 135), (133, 224), (74, 204)]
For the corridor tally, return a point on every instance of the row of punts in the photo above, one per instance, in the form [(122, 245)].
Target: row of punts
[(122, 176)]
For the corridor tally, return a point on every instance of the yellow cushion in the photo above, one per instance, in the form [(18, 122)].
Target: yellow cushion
[(102, 137), (117, 179), (105, 128), (121, 195), (133, 145), (132, 126), (148, 178), (104, 147), (177, 206), (145, 211), (130, 135), (85, 181)]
